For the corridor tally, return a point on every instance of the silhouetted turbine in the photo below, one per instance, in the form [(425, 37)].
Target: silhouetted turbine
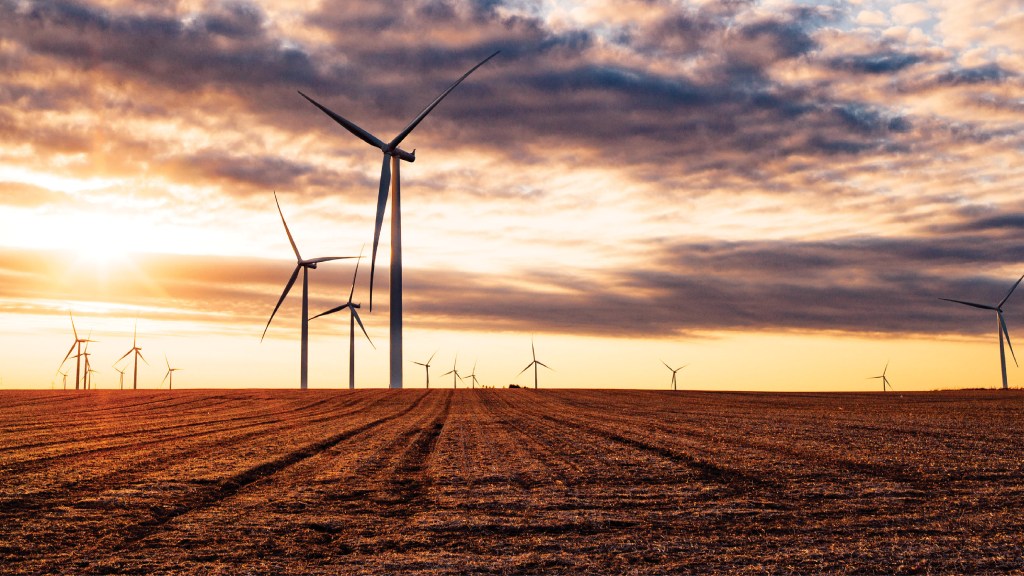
[(457, 376), (138, 354), (304, 265), (78, 357), (1000, 327), (353, 317), (427, 366), (392, 155), (674, 370), (170, 374), (120, 371), (535, 363), (65, 378), (885, 381), (472, 376)]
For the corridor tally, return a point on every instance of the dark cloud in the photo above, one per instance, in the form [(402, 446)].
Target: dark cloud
[(987, 74), (880, 63)]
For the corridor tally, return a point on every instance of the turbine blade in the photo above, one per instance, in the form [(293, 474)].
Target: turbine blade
[(528, 366), (143, 358), (73, 324), (420, 363), (884, 370), (1002, 324), (382, 200), (326, 259), (352, 292), (412, 125), (545, 365), (331, 311), (1010, 292), (287, 287), (350, 126), (666, 365), (360, 322), (286, 230), (431, 357), (69, 353), (982, 306), (165, 377), (125, 355), (447, 373)]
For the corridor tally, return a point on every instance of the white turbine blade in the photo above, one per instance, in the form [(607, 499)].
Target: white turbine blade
[(287, 287), (382, 201), (982, 306), (286, 230), (331, 311), (1010, 292), (360, 322), (1002, 324), (350, 126), (352, 292)]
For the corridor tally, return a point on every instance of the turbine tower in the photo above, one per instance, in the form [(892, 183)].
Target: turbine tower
[(674, 370), (170, 374), (472, 376), (353, 317), (535, 363), (456, 376), (78, 357), (120, 371), (304, 265), (1000, 327), (885, 380), (135, 349), (427, 366), (392, 157)]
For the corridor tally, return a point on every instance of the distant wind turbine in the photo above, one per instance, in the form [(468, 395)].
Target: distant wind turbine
[(304, 265), (65, 378), (535, 363), (120, 371), (392, 156), (472, 376), (170, 374), (135, 349), (78, 357), (456, 376), (885, 381), (1000, 327), (674, 370), (427, 366), (353, 317)]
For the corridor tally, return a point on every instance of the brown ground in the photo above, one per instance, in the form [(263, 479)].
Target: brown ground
[(510, 482)]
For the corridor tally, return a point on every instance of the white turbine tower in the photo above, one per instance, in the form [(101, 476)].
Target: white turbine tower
[(535, 363), (353, 317), (674, 370), (1000, 327), (885, 380), (392, 157), (304, 265), (427, 366)]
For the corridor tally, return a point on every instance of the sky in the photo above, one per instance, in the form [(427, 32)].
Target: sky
[(774, 193)]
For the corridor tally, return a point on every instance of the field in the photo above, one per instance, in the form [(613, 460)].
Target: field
[(510, 482)]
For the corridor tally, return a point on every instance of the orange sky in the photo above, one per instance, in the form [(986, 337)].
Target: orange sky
[(776, 193)]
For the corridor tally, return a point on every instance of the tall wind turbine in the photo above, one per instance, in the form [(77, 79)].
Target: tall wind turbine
[(78, 357), (674, 370), (353, 317), (138, 354), (456, 376), (392, 156), (304, 265), (885, 381), (1000, 327), (472, 376), (170, 374), (120, 371), (535, 363), (427, 366)]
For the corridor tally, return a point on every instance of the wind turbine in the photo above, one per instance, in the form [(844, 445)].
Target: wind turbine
[(535, 363), (65, 378), (392, 156), (353, 317), (427, 366), (304, 265), (1000, 327), (674, 370), (138, 354), (457, 376), (885, 381), (170, 374), (121, 372), (472, 376), (78, 357)]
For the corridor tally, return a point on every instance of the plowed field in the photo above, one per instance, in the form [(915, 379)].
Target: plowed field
[(510, 482)]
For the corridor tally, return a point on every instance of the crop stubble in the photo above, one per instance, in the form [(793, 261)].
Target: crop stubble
[(510, 481)]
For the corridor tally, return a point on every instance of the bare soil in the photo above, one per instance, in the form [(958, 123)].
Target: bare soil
[(510, 482)]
